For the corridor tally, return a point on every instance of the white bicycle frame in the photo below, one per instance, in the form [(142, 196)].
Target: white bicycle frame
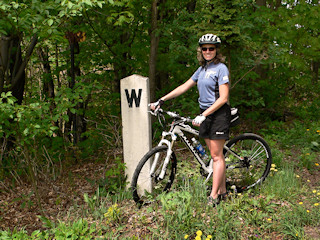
[(177, 130)]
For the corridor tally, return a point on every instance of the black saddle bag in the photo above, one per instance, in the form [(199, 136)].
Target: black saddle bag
[(235, 118)]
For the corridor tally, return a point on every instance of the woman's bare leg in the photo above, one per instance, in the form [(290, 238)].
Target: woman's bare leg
[(219, 167)]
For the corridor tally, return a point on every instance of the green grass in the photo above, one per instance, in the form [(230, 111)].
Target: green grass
[(285, 206)]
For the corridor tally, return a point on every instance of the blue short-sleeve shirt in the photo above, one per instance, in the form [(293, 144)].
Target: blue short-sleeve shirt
[(208, 81)]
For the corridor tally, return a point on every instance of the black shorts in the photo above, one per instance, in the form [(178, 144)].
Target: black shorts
[(216, 126)]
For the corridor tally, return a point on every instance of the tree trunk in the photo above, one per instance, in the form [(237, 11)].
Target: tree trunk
[(278, 4), (48, 85), (261, 2), (121, 66), (75, 122), (315, 72), (191, 6), (12, 66), (153, 49)]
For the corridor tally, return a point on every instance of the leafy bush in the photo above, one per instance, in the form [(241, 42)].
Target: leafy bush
[(25, 130)]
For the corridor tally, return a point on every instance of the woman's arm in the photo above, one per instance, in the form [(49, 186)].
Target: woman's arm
[(174, 93), (179, 90)]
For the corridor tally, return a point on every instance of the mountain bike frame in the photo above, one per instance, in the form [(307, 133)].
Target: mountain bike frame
[(178, 127)]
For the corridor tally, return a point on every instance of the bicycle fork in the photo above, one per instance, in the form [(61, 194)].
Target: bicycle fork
[(167, 158)]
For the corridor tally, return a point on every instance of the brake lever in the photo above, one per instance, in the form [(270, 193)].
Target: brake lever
[(155, 112), (152, 113), (188, 119)]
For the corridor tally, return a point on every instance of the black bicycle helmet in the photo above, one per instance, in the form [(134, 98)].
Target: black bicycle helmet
[(209, 39)]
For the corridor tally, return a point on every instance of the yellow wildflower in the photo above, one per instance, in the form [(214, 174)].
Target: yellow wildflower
[(308, 180), (186, 236), (197, 238), (308, 211), (209, 236), (318, 131), (300, 203), (314, 191), (308, 129), (316, 204), (199, 233), (269, 219), (112, 213), (297, 176), (273, 165), (318, 193), (272, 169), (317, 164)]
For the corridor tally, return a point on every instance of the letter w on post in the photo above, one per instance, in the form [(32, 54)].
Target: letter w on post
[(134, 97)]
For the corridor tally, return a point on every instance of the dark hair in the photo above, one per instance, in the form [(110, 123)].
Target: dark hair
[(217, 59)]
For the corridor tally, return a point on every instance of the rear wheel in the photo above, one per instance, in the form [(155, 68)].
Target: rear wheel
[(145, 186), (248, 161)]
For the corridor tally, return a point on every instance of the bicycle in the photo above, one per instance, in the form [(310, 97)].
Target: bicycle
[(248, 160)]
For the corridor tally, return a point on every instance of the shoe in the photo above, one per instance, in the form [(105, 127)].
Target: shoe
[(213, 201), (223, 196)]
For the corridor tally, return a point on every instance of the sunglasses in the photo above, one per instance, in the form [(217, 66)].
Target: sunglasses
[(204, 49)]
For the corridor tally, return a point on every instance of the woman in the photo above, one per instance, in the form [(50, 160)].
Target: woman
[(212, 79)]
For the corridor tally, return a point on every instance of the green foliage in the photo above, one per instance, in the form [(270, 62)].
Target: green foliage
[(30, 127), (300, 134), (78, 230), (91, 201), (69, 99), (41, 17), (118, 182), (24, 122), (179, 205), (21, 235), (114, 179)]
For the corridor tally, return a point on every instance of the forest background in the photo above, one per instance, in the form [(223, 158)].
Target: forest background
[(61, 62)]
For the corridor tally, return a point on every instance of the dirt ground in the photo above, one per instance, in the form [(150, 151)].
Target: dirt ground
[(19, 207)]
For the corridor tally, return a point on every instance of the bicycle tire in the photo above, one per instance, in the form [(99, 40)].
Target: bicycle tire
[(157, 186), (255, 164)]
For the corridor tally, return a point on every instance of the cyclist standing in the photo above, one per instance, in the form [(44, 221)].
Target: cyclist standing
[(212, 80)]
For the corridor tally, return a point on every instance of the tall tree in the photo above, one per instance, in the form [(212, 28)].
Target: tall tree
[(13, 64), (154, 43)]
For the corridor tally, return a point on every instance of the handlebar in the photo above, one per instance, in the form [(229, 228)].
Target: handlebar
[(160, 111)]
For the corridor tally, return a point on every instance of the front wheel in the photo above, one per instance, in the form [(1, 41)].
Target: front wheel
[(146, 186), (248, 161)]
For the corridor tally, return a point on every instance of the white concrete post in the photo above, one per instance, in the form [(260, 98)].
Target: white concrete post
[(136, 122)]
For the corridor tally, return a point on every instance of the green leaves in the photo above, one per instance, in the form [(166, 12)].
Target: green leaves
[(50, 22), (41, 17), (27, 122)]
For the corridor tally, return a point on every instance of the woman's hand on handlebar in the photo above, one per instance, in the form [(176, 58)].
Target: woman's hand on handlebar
[(156, 105), (198, 120)]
